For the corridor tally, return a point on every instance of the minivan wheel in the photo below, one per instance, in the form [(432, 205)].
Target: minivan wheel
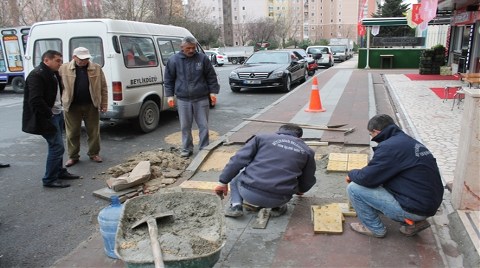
[(18, 84), (148, 117)]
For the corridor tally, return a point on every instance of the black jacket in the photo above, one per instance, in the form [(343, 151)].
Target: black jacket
[(406, 169), (39, 98)]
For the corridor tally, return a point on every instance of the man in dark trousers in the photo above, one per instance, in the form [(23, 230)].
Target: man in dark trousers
[(268, 171), (85, 95), (190, 77), (43, 115), (402, 182)]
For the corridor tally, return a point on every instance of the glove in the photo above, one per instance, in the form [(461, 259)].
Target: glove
[(171, 102), (213, 99), (221, 190)]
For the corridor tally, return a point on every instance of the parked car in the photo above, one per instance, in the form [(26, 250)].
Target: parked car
[(323, 55), (312, 65), (270, 69), (217, 58)]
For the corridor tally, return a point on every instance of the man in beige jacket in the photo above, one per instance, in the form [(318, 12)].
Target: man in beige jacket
[(84, 97)]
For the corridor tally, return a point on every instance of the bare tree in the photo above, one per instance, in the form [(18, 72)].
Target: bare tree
[(4, 14), (94, 9), (136, 10), (286, 27), (262, 30), (32, 11)]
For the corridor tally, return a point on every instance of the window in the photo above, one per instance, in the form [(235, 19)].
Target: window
[(13, 53), (168, 47), (138, 51), (94, 46), (43, 45)]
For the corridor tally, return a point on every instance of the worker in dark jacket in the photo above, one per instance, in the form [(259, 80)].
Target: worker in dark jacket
[(268, 171), (42, 115), (402, 181), (190, 77)]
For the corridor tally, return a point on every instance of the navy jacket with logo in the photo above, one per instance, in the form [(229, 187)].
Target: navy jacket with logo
[(406, 169), (278, 164), (190, 78)]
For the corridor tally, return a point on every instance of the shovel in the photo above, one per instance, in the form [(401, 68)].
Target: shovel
[(151, 221)]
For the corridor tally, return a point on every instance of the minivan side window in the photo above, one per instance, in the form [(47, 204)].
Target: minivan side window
[(94, 46), (42, 45), (138, 51), (168, 47)]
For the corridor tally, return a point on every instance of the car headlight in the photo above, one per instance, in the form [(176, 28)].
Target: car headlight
[(233, 75), (277, 74)]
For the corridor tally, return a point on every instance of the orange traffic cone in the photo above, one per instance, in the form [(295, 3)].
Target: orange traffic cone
[(315, 102)]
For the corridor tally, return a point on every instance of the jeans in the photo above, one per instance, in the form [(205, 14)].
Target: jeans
[(54, 165), (370, 202), (73, 127), (187, 111), (238, 193)]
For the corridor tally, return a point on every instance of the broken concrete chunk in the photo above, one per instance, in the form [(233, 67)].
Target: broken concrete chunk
[(172, 173), (140, 174)]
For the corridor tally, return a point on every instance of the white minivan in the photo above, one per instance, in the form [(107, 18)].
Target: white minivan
[(132, 54)]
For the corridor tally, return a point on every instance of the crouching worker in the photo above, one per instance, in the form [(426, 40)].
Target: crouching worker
[(268, 171), (402, 182)]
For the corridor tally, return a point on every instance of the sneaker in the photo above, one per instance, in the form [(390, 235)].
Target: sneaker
[(234, 212), (359, 228), (411, 230), (185, 153), (278, 211)]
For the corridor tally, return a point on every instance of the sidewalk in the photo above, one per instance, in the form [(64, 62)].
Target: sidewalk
[(350, 96)]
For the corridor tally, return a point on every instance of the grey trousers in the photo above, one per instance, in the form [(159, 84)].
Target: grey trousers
[(187, 111)]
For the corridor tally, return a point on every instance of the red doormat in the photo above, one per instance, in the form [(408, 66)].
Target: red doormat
[(419, 77), (440, 92)]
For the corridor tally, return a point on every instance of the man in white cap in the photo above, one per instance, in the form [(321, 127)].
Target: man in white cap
[(84, 97)]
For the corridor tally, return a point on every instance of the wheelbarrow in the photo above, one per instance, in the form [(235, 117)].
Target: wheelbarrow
[(192, 235)]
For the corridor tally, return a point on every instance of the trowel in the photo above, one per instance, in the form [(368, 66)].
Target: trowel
[(151, 221)]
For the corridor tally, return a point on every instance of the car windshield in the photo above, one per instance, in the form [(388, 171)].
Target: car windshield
[(268, 58), (338, 49), (317, 50)]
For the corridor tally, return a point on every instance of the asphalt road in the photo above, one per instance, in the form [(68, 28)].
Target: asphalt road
[(40, 225)]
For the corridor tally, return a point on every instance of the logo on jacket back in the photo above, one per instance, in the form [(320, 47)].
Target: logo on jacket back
[(288, 145), (421, 150)]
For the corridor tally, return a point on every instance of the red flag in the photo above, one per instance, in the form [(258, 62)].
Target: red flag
[(416, 14), (361, 29)]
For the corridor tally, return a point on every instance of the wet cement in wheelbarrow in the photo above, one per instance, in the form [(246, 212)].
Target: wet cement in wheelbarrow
[(196, 228)]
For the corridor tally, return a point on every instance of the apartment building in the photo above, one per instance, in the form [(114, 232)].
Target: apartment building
[(304, 19)]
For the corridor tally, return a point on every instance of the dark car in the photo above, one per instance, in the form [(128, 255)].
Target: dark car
[(270, 69)]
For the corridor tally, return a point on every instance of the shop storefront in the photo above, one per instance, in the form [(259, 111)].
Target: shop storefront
[(464, 50)]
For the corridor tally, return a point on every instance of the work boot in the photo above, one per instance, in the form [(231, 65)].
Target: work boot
[(234, 212), (411, 230), (361, 229), (278, 211)]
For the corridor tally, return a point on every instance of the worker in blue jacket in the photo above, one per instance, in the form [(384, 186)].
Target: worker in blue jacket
[(268, 171), (190, 76), (402, 181)]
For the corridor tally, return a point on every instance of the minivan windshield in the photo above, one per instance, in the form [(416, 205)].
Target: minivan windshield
[(336, 49)]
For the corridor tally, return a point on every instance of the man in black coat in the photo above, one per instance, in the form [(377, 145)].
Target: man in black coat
[(402, 181), (43, 115)]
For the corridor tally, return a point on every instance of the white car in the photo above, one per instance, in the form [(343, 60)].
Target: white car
[(217, 58)]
